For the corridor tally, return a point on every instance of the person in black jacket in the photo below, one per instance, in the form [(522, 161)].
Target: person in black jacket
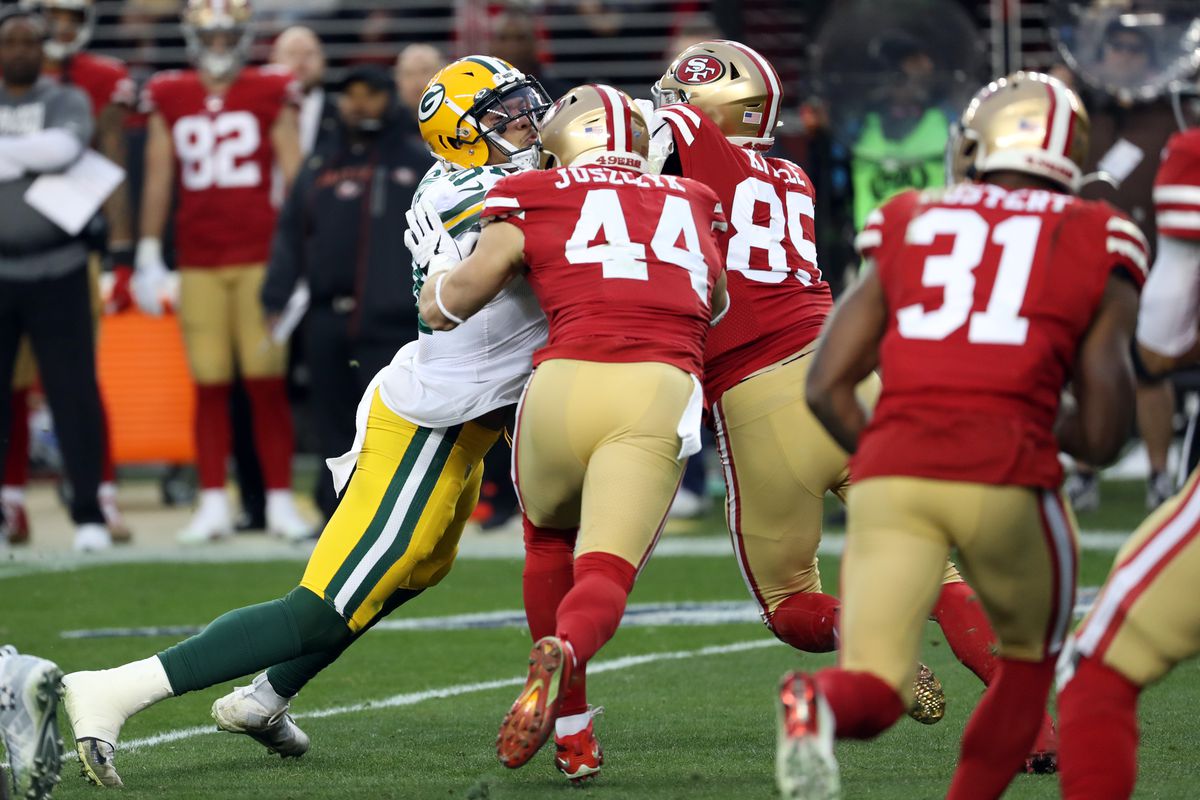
[(341, 231)]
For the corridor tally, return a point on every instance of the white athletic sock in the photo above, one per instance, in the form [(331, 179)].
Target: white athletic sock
[(100, 702), (107, 491), (570, 725), (14, 495)]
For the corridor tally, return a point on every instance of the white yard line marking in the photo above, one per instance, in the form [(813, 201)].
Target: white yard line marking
[(28, 562), (413, 698), (698, 612)]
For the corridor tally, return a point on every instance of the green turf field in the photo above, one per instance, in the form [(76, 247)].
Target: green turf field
[(689, 710)]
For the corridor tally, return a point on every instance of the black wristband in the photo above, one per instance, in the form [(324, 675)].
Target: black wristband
[(1143, 375), (119, 256)]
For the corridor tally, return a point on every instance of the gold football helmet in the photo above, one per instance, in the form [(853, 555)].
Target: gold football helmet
[(594, 124), (217, 33), (732, 84), (468, 105), (1026, 122), (67, 38)]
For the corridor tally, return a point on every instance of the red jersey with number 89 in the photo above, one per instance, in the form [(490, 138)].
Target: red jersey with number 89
[(622, 263), (224, 161), (778, 300), (989, 293)]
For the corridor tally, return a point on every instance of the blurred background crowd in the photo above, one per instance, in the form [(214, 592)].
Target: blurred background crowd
[(871, 88)]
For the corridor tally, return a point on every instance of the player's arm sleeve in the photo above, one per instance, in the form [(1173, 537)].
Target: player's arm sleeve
[(1170, 308), (1126, 246), (678, 128), (504, 202), (1177, 189), (869, 239)]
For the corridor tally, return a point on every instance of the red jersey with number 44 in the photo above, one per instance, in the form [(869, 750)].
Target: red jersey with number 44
[(622, 263), (1177, 187), (223, 161), (989, 293), (778, 300)]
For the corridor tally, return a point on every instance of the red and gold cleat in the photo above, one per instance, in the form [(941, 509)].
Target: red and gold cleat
[(15, 525), (530, 721), (578, 755)]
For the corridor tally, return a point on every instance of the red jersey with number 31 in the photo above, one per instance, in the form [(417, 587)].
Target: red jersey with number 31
[(778, 300), (989, 293), (223, 161), (622, 263)]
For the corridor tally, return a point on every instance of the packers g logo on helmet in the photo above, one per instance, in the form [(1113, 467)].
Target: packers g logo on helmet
[(430, 101), (468, 106)]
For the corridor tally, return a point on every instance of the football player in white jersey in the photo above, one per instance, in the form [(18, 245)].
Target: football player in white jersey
[(411, 478)]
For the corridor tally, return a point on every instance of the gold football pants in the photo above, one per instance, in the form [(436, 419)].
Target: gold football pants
[(1146, 619), (779, 462), (1017, 546), (402, 515), (223, 324), (597, 448)]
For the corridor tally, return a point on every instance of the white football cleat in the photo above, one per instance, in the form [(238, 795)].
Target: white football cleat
[(113, 518), (284, 518), (212, 519), (805, 767), (92, 537), (260, 713), (29, 691)]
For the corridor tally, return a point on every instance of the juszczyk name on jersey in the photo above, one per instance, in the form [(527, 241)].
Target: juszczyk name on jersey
[(569, 175), (989, 195)]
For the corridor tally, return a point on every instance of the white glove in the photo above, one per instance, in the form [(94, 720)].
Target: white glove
[(152, 285), (433, 248)]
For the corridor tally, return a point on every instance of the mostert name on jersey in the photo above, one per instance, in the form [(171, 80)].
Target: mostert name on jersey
[(578, 175), (1034, 201), (27, 118)]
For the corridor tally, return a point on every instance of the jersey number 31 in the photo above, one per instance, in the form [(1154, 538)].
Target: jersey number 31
[(1001, 321)]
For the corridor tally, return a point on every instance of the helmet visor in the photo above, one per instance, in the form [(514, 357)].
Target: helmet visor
[(497, 110)]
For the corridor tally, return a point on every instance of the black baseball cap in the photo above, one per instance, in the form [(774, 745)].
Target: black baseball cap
[(373, 76)]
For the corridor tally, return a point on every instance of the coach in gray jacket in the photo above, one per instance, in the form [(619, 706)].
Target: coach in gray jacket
[(45, 127)]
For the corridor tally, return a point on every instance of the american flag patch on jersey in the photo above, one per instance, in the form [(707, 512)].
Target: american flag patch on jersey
[(752, 117)]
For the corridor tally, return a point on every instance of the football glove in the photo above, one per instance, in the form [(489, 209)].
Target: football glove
[(433, 249), (153, 286), (115, 281)]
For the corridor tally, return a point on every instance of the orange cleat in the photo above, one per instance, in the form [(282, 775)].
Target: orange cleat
[(578, 755), (530, 721)]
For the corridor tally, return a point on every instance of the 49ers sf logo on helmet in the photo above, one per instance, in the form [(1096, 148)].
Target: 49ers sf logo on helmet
[(699, 69)]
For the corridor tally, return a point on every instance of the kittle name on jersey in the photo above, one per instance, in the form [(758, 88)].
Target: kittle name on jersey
[(28, 118), (568, 175)]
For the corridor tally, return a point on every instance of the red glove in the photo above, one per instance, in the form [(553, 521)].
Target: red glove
[(119, 297)]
